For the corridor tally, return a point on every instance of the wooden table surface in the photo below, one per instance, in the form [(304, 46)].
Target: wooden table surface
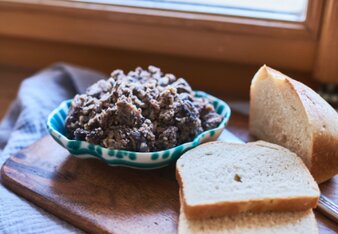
[(9, 84), (70, 187)]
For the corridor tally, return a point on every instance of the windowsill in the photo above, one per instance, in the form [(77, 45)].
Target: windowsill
[(287, 10), (236, 39)]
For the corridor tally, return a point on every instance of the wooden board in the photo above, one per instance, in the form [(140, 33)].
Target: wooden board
[(98, 198)]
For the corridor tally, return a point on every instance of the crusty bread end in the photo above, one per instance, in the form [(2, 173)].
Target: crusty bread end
[(286, 112)]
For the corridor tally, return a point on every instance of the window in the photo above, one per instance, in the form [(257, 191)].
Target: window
[(289, 10), (283, 33)]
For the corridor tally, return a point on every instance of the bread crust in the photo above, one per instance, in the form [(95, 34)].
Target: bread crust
[(233, 208), (184, 228), (323, 121), (324, 158), (220, 209)]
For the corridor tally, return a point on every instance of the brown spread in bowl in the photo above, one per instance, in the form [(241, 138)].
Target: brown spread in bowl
[(144, 110)]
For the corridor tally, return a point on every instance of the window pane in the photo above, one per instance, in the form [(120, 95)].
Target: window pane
[(289, 10)]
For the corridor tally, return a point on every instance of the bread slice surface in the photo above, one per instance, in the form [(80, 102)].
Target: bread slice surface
[(221, 178), (301, 222), (288, 113)]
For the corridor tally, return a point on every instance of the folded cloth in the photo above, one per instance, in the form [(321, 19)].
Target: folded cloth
[(25, 123)]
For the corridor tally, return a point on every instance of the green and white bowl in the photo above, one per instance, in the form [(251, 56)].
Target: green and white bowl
[(150, 160)]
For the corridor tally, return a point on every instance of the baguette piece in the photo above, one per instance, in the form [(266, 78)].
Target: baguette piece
[(288, 113), (301, 222), (220, 178)]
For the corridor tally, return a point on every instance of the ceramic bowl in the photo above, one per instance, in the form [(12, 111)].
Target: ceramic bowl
[(143, 160)]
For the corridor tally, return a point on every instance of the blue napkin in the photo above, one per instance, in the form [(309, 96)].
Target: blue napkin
[(25, 123)]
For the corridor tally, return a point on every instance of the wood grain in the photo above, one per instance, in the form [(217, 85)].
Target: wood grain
[(326, 69), (166, 32), (91, 195), (9, 83), (19, 58), (98, 198), (180, 19)]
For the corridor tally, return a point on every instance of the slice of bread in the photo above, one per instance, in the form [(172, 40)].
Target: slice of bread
[(288, 113), (302, 222), (220, 178)]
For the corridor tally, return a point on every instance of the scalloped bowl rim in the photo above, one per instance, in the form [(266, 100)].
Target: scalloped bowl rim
[(197, 139)]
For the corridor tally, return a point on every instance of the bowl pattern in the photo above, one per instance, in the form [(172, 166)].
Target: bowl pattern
[(144, 160)]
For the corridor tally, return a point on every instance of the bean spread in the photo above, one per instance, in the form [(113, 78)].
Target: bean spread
[(144, 110)]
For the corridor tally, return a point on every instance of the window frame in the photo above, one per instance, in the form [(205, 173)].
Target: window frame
[(222, 38)]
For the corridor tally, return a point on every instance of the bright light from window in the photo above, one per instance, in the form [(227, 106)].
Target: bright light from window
[(289, 10)]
